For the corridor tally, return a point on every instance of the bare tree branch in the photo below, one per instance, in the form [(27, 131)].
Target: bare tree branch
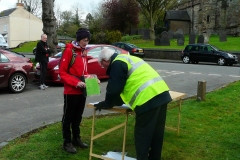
[(153, 9), (33, 6)]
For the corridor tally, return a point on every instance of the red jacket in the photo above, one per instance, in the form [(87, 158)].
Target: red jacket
[(78, 69)]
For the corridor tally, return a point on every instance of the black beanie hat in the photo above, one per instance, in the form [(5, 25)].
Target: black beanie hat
[(82, 33)]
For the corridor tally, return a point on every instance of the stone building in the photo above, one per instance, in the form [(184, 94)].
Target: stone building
[(176, 19), (213, 16)]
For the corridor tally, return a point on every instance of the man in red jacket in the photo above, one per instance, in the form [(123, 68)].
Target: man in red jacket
[(74, 99)]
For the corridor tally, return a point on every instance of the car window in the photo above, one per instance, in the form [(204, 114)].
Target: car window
[(206, 48), (3, 58), (15, 54), (132, 45), (94, 52), (209, 48), (114, 49), (121, 46), (188, 48), (193, 48)]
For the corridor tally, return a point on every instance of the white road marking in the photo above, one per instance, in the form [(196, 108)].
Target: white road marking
[(166, 73), (214, 74), (194, 73), (234, 76)]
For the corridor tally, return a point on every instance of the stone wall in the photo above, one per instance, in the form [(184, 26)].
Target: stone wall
[(214, 15), (162, 54), (175, 25), (169, 54)]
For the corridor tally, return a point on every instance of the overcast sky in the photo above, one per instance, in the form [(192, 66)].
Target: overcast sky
[(86, 5)]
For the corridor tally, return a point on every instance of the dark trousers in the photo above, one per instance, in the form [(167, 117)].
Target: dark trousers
[(149, 133), (72, 116), (43, 69)]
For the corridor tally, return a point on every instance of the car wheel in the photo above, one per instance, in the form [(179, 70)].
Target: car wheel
[(34, 51), (221, 61), (186, 59), (17, 83)]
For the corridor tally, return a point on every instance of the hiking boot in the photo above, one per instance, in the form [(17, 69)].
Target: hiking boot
[(69, 148), (45, 86), (41, 87), (78, 142)]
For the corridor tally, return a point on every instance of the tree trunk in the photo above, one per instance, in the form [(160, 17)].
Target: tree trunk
[(152, 31), (49, 24)]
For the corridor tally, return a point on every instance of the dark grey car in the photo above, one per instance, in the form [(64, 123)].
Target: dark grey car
[(131, 48), (195, 53)]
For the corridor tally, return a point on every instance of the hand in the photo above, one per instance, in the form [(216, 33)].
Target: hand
[(99, 106), (81, 85)]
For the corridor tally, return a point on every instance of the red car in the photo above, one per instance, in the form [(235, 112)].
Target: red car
[(93, 51), (15, 71)]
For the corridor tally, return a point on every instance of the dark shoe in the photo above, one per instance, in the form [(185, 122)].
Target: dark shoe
[(78, 142), (69, 148)]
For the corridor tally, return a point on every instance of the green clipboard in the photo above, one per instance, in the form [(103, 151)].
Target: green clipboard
[(92, 86)]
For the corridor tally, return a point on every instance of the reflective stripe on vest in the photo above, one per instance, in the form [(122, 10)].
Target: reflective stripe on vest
[(141, 88), (152, 82), (134, 65)]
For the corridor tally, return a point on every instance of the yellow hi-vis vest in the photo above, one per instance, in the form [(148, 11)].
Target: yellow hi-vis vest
[(143, 82)]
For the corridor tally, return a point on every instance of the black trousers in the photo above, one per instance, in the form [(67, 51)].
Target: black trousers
[(72, 116), (149, 133), (43, 69)]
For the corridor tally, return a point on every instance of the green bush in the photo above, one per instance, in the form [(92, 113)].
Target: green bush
[(136, 37), (108, 37), (126, 38), (99, 38), (113, 36), (129, 38)]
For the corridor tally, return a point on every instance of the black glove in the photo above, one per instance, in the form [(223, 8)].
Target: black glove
[(100, 105)]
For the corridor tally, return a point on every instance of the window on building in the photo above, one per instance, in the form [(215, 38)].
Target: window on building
[(208, 19), (5, 28)]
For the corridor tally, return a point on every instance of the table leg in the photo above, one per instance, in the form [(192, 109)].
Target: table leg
[(179, 116), (92, 135), (124, 136)]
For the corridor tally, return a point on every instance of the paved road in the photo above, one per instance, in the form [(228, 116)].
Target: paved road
[(20, 113)]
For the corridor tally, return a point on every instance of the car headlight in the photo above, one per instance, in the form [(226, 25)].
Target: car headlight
[(56, 68), (229, 55)]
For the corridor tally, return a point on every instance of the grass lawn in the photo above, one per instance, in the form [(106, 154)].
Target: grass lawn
[(26, 47), (232, 44), (209, 131)]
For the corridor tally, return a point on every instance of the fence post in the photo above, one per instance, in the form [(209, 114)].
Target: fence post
[(201, 91)]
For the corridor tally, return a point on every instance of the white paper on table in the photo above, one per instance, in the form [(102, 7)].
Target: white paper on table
[(117, 156), (94, 103), (122, 106)]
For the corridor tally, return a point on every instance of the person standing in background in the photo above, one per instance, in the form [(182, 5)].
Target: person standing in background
[(72, 73), (42, 54)]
